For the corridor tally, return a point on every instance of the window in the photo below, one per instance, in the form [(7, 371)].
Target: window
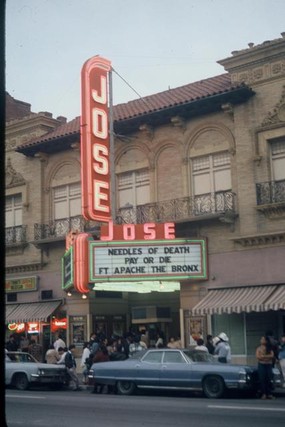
[(13, 210), (278, 160), (153, 357), (67, 201), (12, 297), (133, 188), (234, 326), (211, 173), (47, 294), (173, 357)]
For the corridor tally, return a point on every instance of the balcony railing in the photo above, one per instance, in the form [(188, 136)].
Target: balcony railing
[(170, 210), (270, 192), (61, 227), (16, 235), (186, 208)]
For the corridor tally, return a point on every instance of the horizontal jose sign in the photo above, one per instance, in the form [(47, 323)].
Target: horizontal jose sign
[(145, 260)]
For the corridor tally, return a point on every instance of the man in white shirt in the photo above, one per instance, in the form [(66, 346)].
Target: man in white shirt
[(59, 342)]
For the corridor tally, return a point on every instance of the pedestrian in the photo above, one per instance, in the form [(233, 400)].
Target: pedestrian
[(171, 343), (70, 364), (36, 350), (200, 345), (135, 346), (160, 340), (265, 356), (101, 355), (274, 345), (59, 342), (24, 343), (61, 352), (84, 362), (93, 344), (11, 344), (51, 355), (223, 349), (209, 344), (282, 357)]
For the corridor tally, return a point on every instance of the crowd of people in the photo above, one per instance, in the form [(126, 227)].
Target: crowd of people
[(269, 353)]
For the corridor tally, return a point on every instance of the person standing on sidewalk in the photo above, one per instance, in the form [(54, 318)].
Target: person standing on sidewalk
[(70, 364), (265, 357), (282, 358)]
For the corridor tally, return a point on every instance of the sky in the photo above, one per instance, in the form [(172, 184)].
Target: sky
[(153, 45)]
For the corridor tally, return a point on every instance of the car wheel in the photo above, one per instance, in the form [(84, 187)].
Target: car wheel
[(126, 387), (213, 387), (21, 382)]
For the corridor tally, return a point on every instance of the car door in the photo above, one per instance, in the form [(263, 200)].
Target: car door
[(148, 369), (176, 370), (8, 369)]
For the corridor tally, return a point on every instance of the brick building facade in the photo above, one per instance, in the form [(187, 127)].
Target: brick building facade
[(209, 156)]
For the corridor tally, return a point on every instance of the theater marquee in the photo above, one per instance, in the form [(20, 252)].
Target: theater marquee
[(178, 259)]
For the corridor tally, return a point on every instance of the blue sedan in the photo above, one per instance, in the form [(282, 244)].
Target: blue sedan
[(174, 369)]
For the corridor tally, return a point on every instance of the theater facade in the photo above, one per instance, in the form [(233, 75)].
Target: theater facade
[(207, 158)]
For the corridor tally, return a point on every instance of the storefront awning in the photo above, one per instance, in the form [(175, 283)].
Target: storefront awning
[(277, 300), (234, 300), (30, 312)]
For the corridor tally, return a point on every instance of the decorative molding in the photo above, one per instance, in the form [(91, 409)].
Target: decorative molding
[(260, 239), (228, 109), (75, 146), (15, 248), (13, 178), (278, 113), (259, 74), (43, 157), (272, 210), (178, 122), (36, 266), (148, 131), (257, 159)]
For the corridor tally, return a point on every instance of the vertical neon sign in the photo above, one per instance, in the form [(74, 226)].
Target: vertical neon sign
[(95, 140)]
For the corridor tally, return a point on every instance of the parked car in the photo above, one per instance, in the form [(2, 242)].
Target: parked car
[(175, 369), (22, 370)]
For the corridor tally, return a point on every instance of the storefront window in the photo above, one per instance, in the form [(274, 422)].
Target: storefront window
[(233, 325)]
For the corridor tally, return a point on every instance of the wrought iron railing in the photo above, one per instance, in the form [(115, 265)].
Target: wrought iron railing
[(270, 192), (61, 227), (169, 210), (17, 234), (179, 209)]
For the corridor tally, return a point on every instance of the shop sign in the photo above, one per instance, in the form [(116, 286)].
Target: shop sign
[(33, 328), (95, 140), (147, 231), (178, 259), (21, 284), (67, 269), (16, 327), (58, 324), (76, 318)]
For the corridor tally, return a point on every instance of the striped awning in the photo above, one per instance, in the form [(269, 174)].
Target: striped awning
[(30, 312), (234, 300), (277, 300)]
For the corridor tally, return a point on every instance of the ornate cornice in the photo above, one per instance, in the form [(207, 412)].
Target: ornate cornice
[(272, 210), (260, 239), (36, 266)]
